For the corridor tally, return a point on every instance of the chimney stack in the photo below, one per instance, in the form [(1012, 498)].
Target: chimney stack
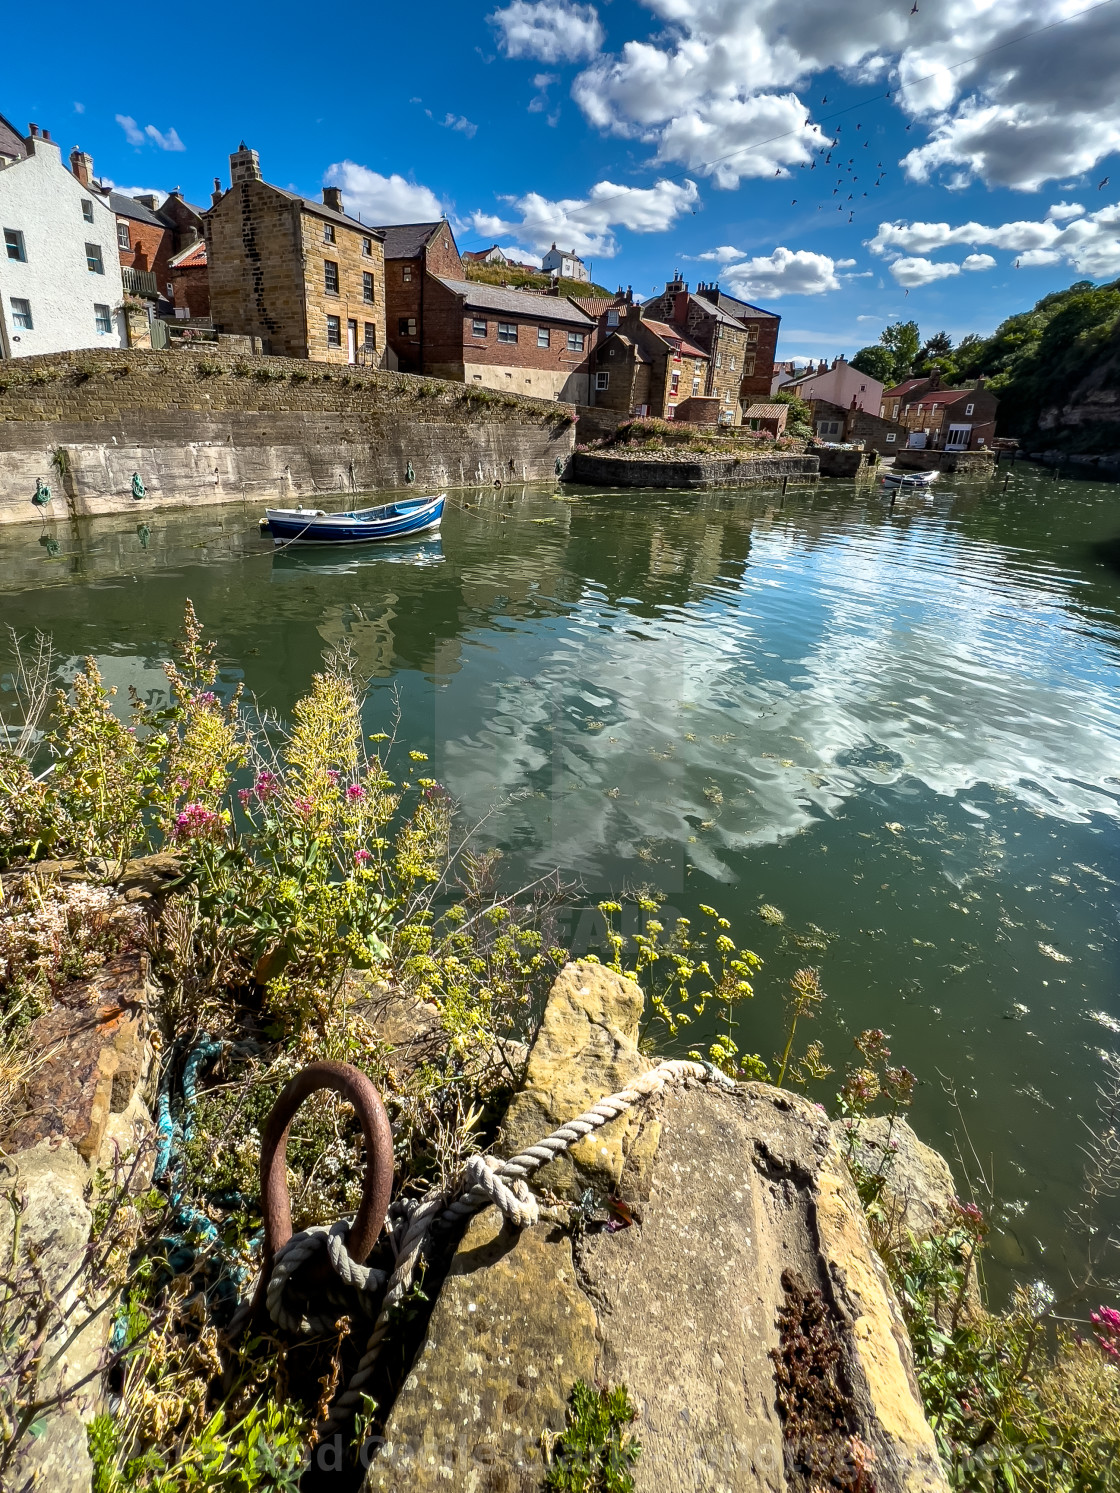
[(332, 198), (34, 128), (217, 194), (244, 165), (81, 165)]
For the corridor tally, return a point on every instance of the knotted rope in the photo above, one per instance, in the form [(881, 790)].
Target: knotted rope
[(484, 1180)]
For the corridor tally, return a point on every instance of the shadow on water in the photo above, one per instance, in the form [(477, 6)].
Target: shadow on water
[(898, 725)]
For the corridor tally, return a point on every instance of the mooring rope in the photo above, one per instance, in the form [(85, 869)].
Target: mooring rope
[(484, 1180)]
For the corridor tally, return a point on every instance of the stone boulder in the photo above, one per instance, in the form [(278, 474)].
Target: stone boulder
[(743, 1279)]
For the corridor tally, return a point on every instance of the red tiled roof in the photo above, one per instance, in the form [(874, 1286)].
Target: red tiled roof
[(675, 336), (942, 396), (904, 387), (766, 411), (190, 257)]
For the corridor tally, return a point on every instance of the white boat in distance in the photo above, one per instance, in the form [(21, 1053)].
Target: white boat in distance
[(895, 478)]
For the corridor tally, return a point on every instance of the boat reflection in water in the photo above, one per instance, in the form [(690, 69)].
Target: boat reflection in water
[(333, 561)]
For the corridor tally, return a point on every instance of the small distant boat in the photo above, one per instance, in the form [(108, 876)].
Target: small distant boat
[(359, 526), (904, 478)]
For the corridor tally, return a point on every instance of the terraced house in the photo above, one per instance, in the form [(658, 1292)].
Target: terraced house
[(738, 338), (528, 343), (301, 277)]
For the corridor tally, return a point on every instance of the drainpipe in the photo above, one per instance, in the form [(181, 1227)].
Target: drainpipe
[(423, 277)]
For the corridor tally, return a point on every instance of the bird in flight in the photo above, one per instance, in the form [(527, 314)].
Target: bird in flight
[(1101, 186), (914, 12)]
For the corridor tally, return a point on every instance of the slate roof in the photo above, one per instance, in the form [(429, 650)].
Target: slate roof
[(482, 297), (407, 240), (640, 354), (11, 141), (128, 207), (738, 308), (713, 310)]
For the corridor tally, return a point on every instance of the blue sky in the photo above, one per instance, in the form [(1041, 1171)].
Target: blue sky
[(671, 134)]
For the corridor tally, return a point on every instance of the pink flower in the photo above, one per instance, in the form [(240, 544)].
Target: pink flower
[(208, 697), (361, 856), (1107, 1325), (267, 786), (304, 806), (355, 792), (197, 822), (332, 777), (244, 794)]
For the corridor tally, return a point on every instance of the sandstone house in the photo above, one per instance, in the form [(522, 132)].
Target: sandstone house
[(301, 276)]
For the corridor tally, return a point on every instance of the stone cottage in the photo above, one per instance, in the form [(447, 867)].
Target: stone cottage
[(301, 276)]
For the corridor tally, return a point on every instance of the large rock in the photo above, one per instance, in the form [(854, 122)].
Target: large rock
[(745, 1223), (587, 1047), (917, 1196)]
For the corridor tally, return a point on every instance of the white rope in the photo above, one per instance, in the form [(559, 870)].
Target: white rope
[(299, 1249), (488, 1179)]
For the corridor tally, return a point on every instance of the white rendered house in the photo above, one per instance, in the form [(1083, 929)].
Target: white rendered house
[(565, 263), (60, 273)]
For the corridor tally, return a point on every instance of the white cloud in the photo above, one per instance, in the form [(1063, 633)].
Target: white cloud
[(79, 108), (132, 132), (156, 192), (585, 224), (137, 136), (978, 262), (919, 271), (168, 141), (461, 123), (1090, 244), (723, 255), (784, 272), (714, 76), (548, 32), (1063, 210), (382, 199)]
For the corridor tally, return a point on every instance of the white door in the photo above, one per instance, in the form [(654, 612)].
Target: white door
[(917, 440), (958, 438), (352, 341)]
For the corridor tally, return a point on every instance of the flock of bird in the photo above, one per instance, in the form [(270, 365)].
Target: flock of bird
[(847, 172)]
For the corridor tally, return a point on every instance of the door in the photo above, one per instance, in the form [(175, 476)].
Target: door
[(352, 341)]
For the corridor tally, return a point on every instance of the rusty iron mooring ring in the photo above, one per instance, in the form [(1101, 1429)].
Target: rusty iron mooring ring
[(354, 1086)]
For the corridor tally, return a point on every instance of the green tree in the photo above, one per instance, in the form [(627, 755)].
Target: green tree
[(902, 341), (877, 362)]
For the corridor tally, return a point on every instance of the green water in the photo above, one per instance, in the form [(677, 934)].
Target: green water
[(898, 725)]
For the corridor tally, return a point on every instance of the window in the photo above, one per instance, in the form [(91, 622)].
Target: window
[(93, 259), (575, 342), (13, 242), (602, 380), (732, 365), (367, 287), (752, 333), (87, 209), (478, 327), (371, 334), (406, 326), (696, 386), (890, 437), (330, 277), (334, 331), (969, 408), (21, 314), (719, 360), (328, 233), (507, 331), (367, 248), (406, 273), (542, 336), (612, 318), (674, 386), (123, 239), (748, 367), (102, 318)]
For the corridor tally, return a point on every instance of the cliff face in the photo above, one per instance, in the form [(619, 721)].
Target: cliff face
[(1089, 419)]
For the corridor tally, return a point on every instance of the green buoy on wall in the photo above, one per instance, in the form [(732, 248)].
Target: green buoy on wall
[(42, 494)]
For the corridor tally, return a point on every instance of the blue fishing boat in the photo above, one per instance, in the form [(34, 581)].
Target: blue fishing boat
[(359, 526)]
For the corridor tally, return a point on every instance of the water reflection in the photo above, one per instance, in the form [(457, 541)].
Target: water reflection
[(898, 725)]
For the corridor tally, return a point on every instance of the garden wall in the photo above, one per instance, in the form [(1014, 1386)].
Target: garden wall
[(203, 428)]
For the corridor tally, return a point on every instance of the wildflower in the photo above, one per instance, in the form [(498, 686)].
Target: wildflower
[(197, 822), (266, 786), (304, 806), (361, 857), (1106, 1325), (355, 792), (332, 776), (245, 794), (208, 697)]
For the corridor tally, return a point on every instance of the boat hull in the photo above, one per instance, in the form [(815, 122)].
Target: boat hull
[(394, 521)]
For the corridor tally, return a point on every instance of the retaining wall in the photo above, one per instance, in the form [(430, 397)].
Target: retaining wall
[(945, 461), (599, 470), (204, 428)]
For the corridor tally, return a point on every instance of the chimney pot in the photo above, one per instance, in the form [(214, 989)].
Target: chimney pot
[(81, 164), (46, 134), (34, 128)]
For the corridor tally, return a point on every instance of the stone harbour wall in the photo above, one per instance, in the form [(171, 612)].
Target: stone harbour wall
[(599, 470), (211, 427)]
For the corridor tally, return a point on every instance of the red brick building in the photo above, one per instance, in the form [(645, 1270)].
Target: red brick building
[(938, 419), (413, 250), (645, 367), (190, 280), (506, 339), (761, 346)]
